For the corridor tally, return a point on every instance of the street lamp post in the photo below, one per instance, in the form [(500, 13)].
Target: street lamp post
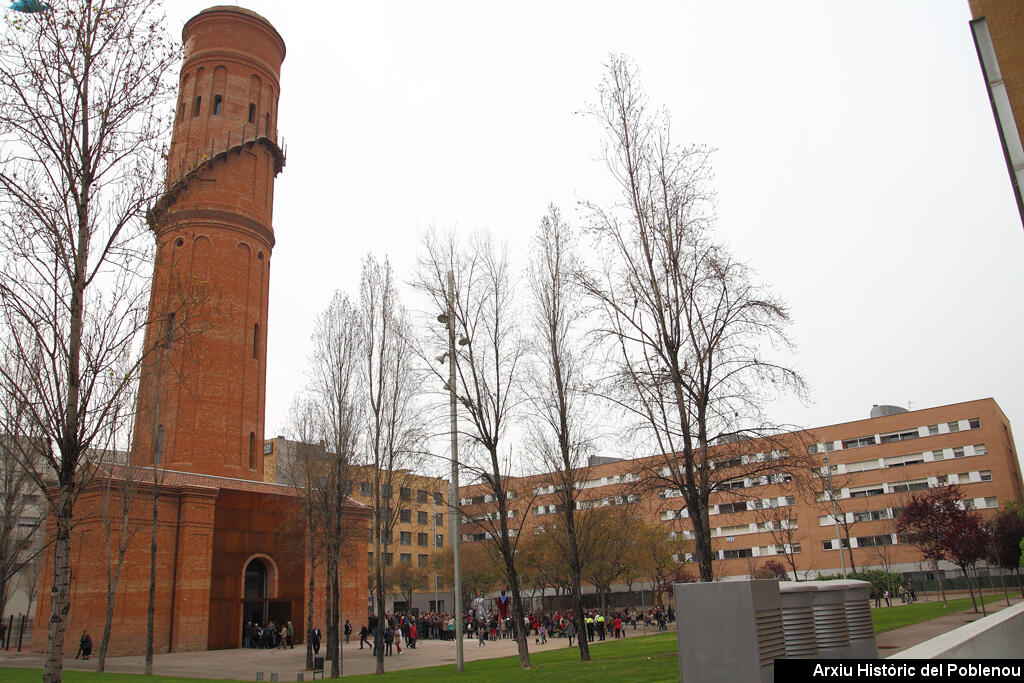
[(453, 492), (835, 513)]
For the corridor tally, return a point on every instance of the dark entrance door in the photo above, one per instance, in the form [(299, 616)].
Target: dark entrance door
[(279, 611), (255, 595)]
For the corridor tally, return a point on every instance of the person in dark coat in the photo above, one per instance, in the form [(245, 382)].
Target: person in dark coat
[(86, 645), (363, 633), (314, 640), (389, 640), (348, 630)]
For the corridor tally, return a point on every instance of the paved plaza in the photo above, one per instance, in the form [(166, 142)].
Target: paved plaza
[(243, 664)]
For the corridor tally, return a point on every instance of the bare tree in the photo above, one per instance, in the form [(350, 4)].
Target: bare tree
[(20, 520), (393, 433), (488, 357), (782, 525), (337, 389), (305, 471), (686, 319), (118, 530), (558, 392), (82, 88)]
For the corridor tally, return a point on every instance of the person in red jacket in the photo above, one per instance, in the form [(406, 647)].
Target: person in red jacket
[(413, 635), (618, 626)]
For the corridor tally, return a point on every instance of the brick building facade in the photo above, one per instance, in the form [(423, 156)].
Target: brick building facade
[(875, 465), (230, 547)]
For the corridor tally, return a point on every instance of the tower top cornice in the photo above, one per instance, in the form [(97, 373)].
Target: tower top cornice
[(254, 17)]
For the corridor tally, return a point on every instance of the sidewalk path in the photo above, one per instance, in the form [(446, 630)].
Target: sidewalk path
[(891, 642), (242, 664)]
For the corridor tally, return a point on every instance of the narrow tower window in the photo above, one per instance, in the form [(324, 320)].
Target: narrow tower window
[(252, 451), (256, 340), (170, 331), (252, 112), (266, 126), (218, 102), (195, 110)]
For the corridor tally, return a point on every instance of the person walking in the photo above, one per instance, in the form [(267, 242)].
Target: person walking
[(85, 645), (590, 628), (289, 634), (600, 626), (348, 630), (389, 639), (314, 639), (363, 632), (570, 631), (886, 596)]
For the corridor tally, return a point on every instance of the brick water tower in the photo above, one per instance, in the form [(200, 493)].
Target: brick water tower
[(202, 388)]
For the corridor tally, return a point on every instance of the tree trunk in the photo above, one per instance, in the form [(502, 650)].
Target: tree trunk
[(310, 603), (378, 639), (111, 594), (577, 596), (517, 607), (151, 609), (981, 593), (970, 588), (938, 577), (60, 592)]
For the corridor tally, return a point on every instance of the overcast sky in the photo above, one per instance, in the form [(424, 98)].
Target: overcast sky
[(858, 167)]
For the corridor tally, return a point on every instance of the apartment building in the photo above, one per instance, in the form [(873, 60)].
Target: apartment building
[(418, 506), (872, 465)]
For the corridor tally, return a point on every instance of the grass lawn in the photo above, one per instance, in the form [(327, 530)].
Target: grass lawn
[(889, 618), (641, 658)]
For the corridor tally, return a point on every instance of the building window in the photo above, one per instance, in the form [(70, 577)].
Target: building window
[(385, 491), (252, 112), (979, 449), (726, 508), (195, 109), (369, 559), (870, 541), (421, 539), (252, 451), (421, 560), (405, 493), (859, 442), (736, 554), (439, 519), (389, 559), (937, 455), (266, 126), (437, 499), (256, 340), (421, 517), (438, 540), (975, 423), (218, 103), (405, 515), (364, 488), (958, 452), (986, 475), (898, 436), (831, 544), (953, 426), (421, 496), (933, 430), (405, 538)]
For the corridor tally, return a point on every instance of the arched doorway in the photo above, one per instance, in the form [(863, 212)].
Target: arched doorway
[(255, 590), (261, 601)]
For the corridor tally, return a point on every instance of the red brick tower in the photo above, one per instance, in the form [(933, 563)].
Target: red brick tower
[(202, 390)]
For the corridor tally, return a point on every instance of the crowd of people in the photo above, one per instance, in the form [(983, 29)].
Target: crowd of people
[(484, 624), (481, 623), (268, 636)]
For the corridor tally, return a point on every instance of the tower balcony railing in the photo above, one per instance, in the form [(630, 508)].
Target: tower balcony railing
[(191, 164)]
